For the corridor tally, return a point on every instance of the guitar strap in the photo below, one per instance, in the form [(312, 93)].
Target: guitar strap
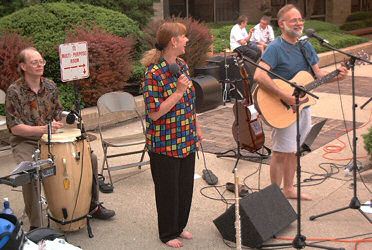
[(302, 48)]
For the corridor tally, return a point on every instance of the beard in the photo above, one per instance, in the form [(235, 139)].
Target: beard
[(292, 32)]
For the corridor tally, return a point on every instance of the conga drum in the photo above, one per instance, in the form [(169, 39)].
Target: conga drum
[(69, 192)]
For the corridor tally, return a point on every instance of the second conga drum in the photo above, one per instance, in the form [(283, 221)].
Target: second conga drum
[(69, 192)]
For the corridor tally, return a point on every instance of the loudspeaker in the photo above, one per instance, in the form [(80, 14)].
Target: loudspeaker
[(262, 215), (208, 92)]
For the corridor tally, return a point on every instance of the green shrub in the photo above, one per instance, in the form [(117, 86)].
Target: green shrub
[(67, 96), (359, 15), (199, 35), (46, 24), (353, 25), (368, 141), (140, 11), (221, 34), (321, 26)]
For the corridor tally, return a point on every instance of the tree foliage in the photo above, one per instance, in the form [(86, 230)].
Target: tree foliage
[(110, 60), (199, 35), (10, 45)]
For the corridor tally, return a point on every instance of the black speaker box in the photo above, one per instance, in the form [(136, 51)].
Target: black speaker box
[(263, 214), (208, 92)]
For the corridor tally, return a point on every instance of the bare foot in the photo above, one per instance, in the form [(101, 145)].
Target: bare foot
[(186, 235), (174, 243), (292, 194)]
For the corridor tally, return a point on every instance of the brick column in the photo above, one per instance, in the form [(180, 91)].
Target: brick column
[(336, 13)]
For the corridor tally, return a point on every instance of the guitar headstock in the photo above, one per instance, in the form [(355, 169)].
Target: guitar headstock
[(238, 59)]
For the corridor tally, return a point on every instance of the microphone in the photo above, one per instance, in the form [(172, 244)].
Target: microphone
[(311, 33), (175, 70), (71, 116)]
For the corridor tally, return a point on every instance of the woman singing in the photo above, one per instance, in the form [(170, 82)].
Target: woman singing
[(172, 131)]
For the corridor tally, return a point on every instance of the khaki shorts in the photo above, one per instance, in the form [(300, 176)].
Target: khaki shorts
[(284, 139)]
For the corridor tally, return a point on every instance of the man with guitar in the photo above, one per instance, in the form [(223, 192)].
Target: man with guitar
[(284, 57)]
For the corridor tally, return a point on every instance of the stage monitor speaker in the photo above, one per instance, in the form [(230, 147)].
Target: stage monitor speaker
[(263, 214)]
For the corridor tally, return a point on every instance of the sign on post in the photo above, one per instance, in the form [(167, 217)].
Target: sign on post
[(73, 59)]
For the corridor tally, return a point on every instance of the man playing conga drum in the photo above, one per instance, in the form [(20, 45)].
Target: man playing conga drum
[(31, 102)]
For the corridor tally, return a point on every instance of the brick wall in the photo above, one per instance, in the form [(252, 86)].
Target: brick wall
[(250, 9), (159, 10)]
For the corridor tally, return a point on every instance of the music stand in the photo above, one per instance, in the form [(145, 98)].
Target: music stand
[(354, 203), (310, 137)]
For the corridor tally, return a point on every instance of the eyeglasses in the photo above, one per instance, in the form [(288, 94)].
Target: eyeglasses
[(37, 62), (295, 20)]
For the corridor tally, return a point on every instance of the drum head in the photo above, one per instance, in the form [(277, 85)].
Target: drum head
[(63, 135)]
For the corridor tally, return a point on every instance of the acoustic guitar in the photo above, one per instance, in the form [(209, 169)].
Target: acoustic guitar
[(278, 114), (251, 134)]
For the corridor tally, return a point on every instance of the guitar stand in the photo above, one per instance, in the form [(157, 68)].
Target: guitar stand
[(241, 156), (354, 203)]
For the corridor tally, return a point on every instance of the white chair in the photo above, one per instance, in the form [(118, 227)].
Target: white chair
[(120, 103)]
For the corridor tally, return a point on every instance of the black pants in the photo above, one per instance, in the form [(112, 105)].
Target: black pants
[(174, 183), (250, 51)]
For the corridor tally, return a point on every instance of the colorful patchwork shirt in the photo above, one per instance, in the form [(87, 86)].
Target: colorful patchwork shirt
[(24, 106), (173, 134)]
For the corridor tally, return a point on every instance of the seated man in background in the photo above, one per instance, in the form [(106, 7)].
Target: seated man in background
[(263, 33), (240, 40)]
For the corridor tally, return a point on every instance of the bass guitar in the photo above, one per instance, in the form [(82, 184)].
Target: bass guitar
[(278, 114), (251, 134)]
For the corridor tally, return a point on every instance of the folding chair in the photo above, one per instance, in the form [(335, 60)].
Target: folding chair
[(115, 102)]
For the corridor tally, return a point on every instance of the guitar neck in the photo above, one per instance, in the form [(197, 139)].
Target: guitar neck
[(322, 80)]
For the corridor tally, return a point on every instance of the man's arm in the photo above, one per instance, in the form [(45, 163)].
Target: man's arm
[(26, 130), (247, 39)]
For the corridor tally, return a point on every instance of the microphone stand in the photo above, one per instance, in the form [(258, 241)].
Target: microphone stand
[(226, 84), (80, 125), (299, 241), (354, 203)]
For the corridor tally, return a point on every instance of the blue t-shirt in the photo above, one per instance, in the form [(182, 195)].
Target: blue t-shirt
[(286, 59)]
